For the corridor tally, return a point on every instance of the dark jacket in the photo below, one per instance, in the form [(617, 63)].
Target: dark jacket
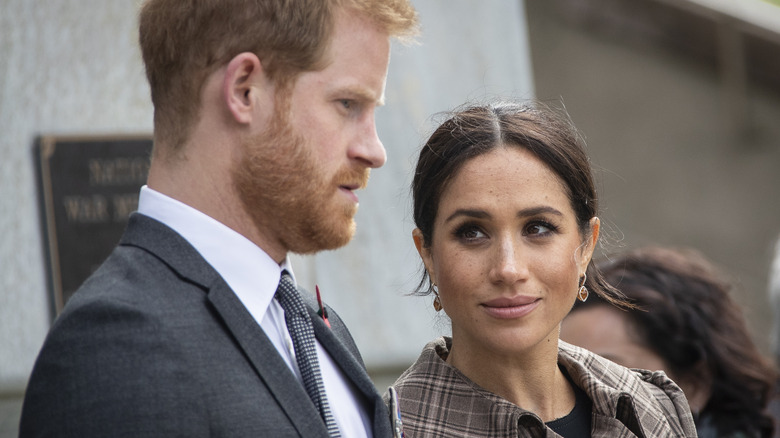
[(155, 344)]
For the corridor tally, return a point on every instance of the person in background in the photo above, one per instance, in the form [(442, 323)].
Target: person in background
[(506, 216), (194, 327), (687, 324), (774, 299)]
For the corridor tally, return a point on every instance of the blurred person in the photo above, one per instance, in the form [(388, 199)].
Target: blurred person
[(686, 324), (506, 216), (193, 327), (774, 298)]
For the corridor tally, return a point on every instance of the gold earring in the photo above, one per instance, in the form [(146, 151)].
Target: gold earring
[(436, 301), (583, 293)]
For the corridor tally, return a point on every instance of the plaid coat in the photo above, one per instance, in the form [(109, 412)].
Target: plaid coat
[(436, 400)]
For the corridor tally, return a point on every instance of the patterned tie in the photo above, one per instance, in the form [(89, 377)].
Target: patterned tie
[(302, 332)]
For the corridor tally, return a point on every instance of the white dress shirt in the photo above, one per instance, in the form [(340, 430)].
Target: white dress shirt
[(254, 276)]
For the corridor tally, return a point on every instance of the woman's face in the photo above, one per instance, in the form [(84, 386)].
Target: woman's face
[(506, 253)]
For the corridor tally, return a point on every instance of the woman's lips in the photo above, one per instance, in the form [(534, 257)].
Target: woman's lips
[(510, 308)]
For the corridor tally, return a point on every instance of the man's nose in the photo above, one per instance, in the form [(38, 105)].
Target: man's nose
[(369, 148)]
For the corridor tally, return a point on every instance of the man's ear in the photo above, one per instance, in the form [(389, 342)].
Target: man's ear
[(425, 252), (243, 85)]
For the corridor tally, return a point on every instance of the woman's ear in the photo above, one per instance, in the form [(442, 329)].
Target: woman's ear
[(424, 251), (244, 84), (589, 245)]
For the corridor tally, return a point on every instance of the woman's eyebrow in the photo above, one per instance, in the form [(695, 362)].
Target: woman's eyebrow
[(482, 214), (533, 211), (473, 213)]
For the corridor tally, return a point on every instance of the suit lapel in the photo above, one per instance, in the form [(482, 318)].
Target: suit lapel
[(161, 241), (353, 368), (286, 389)]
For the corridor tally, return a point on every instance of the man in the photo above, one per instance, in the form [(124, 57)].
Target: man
[(264, 129)]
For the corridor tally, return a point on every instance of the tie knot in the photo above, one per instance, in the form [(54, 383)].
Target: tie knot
[(285, 283), (289, 297)]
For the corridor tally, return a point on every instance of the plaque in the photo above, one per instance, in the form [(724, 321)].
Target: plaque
[(88, 187)]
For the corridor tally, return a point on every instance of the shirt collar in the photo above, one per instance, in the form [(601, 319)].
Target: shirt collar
[(249, 271)]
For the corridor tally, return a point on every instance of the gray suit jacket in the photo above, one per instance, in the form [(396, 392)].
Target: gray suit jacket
[(155, 344)]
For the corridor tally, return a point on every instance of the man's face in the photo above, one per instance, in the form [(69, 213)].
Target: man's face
[(297, 178)]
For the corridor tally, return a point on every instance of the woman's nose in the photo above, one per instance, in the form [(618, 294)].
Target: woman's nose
[(509, 266)]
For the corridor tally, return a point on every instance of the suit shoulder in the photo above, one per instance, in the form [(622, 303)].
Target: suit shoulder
[(118, 353)]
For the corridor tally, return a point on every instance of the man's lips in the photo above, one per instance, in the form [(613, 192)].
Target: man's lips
[(349, 190), (511, 307), (348, 181)]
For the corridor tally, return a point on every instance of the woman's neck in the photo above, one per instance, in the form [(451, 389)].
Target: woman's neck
[(531, 379)]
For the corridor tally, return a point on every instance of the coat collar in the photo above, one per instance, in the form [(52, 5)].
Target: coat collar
[(631, 397), (625, 402)]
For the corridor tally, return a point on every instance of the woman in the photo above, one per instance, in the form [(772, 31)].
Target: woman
[(505, 211), (687, 325)]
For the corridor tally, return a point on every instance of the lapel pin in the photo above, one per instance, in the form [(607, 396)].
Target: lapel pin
[(322, 312)]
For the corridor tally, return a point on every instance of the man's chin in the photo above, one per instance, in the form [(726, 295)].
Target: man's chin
[(324, 240)]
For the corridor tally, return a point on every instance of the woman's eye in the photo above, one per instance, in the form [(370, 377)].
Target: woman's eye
[(538, 228), (470, 233)]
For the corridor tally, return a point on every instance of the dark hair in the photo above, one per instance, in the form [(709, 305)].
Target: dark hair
[(686, 315), (475, 130)]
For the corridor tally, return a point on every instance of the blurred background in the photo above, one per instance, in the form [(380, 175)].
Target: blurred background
[(679, 102)]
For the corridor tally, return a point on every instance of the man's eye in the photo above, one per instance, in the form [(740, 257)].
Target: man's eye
[(346, 103)]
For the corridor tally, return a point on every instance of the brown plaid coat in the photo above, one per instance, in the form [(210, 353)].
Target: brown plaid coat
[(436, 400)]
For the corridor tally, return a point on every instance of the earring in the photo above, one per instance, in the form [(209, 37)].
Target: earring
[(583, 293), (436, 301)]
